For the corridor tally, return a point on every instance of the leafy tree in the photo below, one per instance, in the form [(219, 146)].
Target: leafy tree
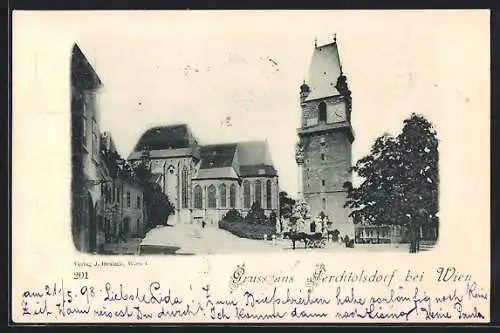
[(158, 204), (301, 213), (256, 214), (401, 181), (111, 159), (286, 204)]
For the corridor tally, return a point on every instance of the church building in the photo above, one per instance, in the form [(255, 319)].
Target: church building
[(325, 138), (204, 182)]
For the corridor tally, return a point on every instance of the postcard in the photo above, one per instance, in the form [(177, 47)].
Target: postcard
[(250, 167)]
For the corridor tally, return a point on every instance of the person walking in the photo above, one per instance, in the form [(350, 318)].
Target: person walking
[(203, 224)]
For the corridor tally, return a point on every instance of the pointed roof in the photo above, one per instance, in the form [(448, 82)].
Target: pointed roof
[(324, 71), (83, 74)]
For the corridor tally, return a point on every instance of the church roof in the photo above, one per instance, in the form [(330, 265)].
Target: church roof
[(257, 170), (324, 71), (214, 173), (217, 156), (166, 141), (254, 153), (226, 160)]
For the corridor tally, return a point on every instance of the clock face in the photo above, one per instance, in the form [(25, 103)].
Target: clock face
[(339, 115)]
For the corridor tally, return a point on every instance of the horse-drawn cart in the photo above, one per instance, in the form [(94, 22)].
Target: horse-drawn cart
[(310, 240)]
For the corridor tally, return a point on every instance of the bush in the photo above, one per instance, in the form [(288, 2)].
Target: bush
[(256, 215), (248, 230), (233, 216)]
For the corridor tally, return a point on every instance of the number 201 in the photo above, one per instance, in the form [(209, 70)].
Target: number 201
[(80, 275)]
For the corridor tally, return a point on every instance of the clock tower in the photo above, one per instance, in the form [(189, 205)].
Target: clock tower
[(325, 138)]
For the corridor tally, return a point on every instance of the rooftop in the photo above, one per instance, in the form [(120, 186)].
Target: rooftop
[(324, 71)]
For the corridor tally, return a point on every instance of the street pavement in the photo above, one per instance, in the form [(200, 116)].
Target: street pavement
[(191, 239)]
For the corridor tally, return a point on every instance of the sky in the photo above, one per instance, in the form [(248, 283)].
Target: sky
[(213, 71)]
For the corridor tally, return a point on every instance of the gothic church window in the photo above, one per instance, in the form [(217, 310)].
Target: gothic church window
[(212, 200), (246, 194), (322, 112), (232, 196), (258, 192), (268, 194), (198, 197), (185, 187), (222, 191)]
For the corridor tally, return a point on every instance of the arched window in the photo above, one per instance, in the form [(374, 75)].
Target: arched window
[(269, 194), (198, 197), (322, 111), (258, 192), (212, 200), (222, 193), (246, 194), (232, 196), (185, 187), (323, 204)]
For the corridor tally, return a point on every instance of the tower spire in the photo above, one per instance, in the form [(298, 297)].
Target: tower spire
[(335, 37), (315, 42)]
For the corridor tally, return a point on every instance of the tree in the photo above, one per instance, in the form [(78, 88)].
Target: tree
[(301, 212), (286, 204), (400, 184), (158, 204), (256, 214)]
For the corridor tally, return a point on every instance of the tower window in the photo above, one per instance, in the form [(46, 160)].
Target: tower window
[(322, 112), (323, 182), (323, 203), (322, 157)]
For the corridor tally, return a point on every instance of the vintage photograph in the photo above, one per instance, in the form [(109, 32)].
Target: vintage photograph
[(197, 136)]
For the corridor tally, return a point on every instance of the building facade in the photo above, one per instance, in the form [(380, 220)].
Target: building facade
[(85, 147), (324, 150), (125, 212), (204, 182), (125, 209)]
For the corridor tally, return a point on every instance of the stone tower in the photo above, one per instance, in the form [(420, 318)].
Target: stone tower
[(325, 138)]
